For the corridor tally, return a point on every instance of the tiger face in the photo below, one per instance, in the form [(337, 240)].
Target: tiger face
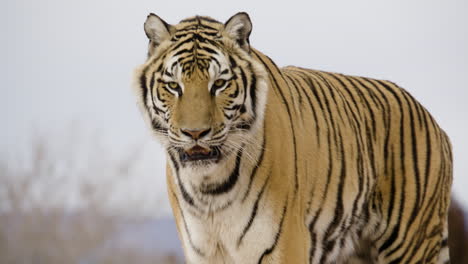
[(201, 108), (200, 89)]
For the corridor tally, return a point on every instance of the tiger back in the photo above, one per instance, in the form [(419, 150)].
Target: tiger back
[(289, 165)]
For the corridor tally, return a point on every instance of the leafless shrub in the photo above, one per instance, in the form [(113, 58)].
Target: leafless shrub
[(59, 208)]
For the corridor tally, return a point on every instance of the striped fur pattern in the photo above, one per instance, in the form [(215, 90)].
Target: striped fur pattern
[(304, 166)]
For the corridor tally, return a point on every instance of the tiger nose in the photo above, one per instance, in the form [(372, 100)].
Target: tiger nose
[(196, 134)]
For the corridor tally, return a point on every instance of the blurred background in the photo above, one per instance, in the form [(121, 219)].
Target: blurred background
[(81, 181)]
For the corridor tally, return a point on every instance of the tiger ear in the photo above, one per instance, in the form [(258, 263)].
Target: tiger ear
[(157, 30), (238, 27)]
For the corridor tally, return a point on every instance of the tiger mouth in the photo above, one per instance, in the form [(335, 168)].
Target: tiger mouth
[(199, 153)]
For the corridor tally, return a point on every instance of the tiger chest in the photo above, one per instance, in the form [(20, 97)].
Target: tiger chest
[(229, 236)]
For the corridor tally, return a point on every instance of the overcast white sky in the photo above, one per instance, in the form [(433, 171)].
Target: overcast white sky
[(65, 61)]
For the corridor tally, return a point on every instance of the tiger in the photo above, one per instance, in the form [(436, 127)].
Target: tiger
[(289, 165)]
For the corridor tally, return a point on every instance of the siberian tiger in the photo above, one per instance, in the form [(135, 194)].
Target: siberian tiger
[(289, 165)]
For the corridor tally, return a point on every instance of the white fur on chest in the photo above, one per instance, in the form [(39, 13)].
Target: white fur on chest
[(218, 235), (216, 228)]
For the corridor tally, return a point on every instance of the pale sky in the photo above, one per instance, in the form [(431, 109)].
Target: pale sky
[(72, 61)]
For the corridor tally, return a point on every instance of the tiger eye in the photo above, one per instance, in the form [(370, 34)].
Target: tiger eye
[(218, 83), (173, 85)]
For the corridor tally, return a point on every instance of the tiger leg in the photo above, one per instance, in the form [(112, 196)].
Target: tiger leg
[(423, 240), (409, 229), (364, 253), (427, 251), (444, 256)]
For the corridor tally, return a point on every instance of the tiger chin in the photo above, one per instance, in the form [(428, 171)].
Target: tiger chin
[(289, 165)]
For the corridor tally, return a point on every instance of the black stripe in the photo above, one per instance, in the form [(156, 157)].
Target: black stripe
[(243, 77), (352, 113), (278, 89), (158, 127), (363, 188), (232, 62), (330, 121), (388, 114), (392, 199), (396, 228), (159, 96), (184, 192), (253, 214), (181, 43), (326, 188), (143, 88), (181, 51), (345, 87), (232, 108), (167, 73), (245, 125), (293, 83), (198, 19), (159, 69), (254, 170), (296, 78), (428, 153), (369, 108), (199, 29), (215, 60), (195, 248), (244, 83), (235, 94), (375, 99), (209, 50), (210, 34), (227, 185), (402, 153), (292, 95), (155, 108), (414, 150), (329, 241), (269, 250), (307, 80), (253, 95), (228, 117)]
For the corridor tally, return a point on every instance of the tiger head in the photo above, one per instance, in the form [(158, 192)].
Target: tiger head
[(200, 88)]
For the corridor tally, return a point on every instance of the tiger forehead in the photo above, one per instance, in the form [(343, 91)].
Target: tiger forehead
[(198, 24), (194, 63), (196, 43)]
